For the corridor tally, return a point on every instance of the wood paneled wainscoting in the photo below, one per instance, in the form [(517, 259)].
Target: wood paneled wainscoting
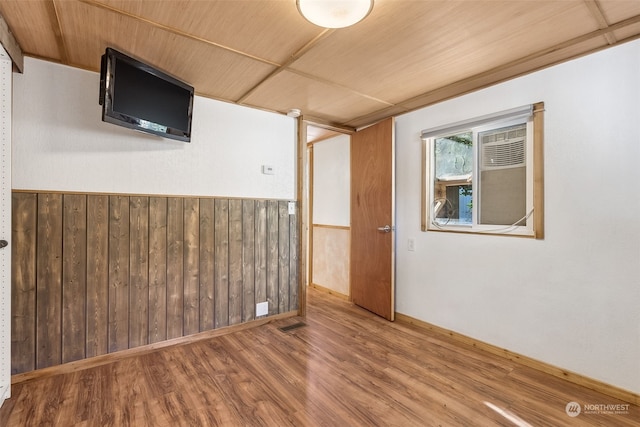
[(95, 273)]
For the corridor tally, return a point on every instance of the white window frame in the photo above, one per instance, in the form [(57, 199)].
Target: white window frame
[(529, 114)]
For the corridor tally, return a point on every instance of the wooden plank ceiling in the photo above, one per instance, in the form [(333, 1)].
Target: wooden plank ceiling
[(262, 53)]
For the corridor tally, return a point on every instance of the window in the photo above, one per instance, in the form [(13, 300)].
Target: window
[(484, 175)]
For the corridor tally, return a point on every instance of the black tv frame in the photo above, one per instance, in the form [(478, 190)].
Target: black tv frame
[(108, 87)]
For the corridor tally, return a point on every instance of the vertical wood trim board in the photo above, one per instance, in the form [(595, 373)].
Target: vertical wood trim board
[(96, 274), (207, 264), (23, 283), (97, 314), (235, 262), (118, 311), (191, 266), (175, 270), (74, 277), (157, 269), (48, 351)]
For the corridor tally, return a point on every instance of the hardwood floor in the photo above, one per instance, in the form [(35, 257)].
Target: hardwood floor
[(344, 367)]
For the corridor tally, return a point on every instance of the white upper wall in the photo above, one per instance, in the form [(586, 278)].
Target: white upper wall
[(572, 299), (60, 143), (332, 181)]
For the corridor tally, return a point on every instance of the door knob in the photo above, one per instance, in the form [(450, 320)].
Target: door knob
[(3, 243), (385, 229)]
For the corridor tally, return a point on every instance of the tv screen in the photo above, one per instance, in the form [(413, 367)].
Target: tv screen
[(139, 96)]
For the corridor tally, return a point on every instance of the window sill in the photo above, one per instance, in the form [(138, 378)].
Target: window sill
[(486, 230)]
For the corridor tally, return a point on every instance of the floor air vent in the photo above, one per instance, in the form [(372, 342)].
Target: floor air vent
[(292, 327)]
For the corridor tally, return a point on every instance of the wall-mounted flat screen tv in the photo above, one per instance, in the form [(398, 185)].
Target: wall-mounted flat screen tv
[(138, 96)]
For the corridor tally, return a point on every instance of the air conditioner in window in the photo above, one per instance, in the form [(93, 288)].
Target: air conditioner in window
[(503, 148)]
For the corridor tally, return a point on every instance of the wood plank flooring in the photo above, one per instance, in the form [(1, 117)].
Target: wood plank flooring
[(344, 367)]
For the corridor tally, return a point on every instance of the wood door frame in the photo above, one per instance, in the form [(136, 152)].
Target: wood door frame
[(305, 203), (301, 174), (309, 215), (305, 206)]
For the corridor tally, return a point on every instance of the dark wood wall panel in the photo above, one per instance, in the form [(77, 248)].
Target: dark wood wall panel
[(191, 266), (98, 273), (283, 257), (272, 256), (119, 237), (221, 259), (23, 282), (260, 270), (74, 277), (235, 262), (207, 244), (94, 274), (49, 281), (157, 269), (139, 271), (175, 267), (248, 260)]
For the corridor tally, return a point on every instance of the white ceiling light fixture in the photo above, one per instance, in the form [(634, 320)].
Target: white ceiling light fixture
[(334, 13)]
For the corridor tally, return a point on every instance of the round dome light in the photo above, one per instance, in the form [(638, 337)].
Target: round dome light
[(334, 13)]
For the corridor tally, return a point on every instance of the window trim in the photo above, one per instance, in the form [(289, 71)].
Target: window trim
[(536, 112)]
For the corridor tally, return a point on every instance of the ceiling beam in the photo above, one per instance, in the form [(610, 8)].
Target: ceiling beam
[(324, 124), (596, 11), (10, 44), (56, 27)]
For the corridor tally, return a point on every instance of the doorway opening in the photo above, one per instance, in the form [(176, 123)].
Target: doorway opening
[(327, 217)]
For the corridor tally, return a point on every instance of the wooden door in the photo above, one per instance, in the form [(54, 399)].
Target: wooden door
[(372, 216)]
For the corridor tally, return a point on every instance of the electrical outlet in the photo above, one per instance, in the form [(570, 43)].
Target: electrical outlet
[(292, 208), (268, 170), (411, 244), (262, 308)]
